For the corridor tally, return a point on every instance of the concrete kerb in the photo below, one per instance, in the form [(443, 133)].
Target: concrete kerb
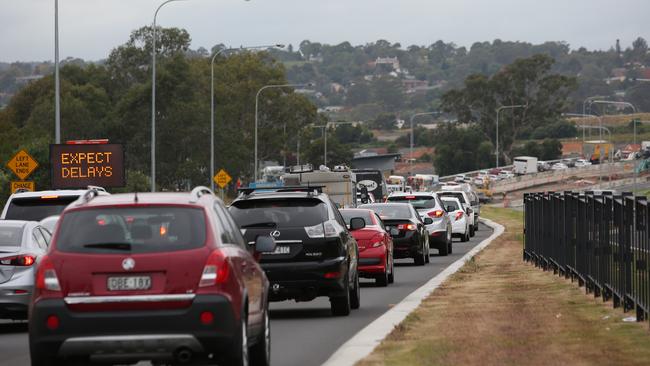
[(367, 339)]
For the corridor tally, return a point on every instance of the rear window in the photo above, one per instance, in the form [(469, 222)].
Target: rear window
[(458, 195), (390, 211), (37, 208), (280, 212), (348, 214), (132, 230), (418, 202), (451, 203), (11, 236)]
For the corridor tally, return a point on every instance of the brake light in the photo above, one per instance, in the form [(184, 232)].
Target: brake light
[(459, 215), (50, 197), (410, 197), (46, 278), (216, 270), (24, 260), (436, 213), (328, 229), (407, 227)]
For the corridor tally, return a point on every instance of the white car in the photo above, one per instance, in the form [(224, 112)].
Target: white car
[(466, 200), (559, 166), (582, 162), (505, 174), (35, 206), (459, 221)]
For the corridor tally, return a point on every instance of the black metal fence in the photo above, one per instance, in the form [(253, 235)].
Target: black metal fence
[(600, 241)]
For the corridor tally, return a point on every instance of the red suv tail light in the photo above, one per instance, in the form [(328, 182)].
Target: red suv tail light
[(436, 213), (459, 215), (46, 279), (23, 260), (216, 270)]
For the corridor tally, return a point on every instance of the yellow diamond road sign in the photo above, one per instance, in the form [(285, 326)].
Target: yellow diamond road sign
[(22, 164), (222, 179)]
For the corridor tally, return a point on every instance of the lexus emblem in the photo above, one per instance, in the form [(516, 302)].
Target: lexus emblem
[(275, 233), (128, 264)]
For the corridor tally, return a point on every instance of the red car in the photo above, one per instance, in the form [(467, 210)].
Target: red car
[(375, 246), (165, 277)]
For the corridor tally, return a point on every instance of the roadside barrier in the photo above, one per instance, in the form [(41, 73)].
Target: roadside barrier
[(600, 241)]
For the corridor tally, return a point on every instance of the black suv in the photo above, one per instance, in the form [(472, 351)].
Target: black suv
[(315, 255)]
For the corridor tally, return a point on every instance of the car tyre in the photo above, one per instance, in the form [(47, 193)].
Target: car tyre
[(355, 296), (427, 258), (391, 275), (449, 247), (260, 353), (471, 231), (419, 257), (239, 355), (340, 305), (465, 237), (443, 249)]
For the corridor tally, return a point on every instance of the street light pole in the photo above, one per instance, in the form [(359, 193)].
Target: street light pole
[(214, 57), (57, 85), (412, 128), (497, 136), (153, 98), (626, 104), (257, 97)]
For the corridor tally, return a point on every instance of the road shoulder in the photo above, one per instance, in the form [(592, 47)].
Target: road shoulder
[(366, 340)]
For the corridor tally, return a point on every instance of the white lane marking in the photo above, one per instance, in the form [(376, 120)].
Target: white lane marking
[(367, 339)]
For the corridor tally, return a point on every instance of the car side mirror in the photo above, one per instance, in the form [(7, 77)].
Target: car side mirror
[(394, 232), (357, 223), (428, 221), (264, 244), (468, 210)]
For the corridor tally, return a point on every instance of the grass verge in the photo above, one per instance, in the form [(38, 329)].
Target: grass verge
[(499, 310)]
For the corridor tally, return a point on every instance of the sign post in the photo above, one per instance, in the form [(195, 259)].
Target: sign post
[(23, 165)]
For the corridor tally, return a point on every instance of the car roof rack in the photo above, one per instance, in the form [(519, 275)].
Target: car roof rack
[(306, 189), (92, 192), (198, 192)]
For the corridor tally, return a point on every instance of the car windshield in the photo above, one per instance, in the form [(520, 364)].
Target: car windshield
[(282, 212), (418, 202), (11, 236), (348, 214), (37, 208), (132, 229), (390, 211), (458, 195)]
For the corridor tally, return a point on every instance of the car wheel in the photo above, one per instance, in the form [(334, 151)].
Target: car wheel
[(443, 249), (340, 305), (391, 275), (449, 247), (476, 226), (239, 356), (419, 257), (471, 231), (260, 353), (465, 237), (355, 296), (427, 258)]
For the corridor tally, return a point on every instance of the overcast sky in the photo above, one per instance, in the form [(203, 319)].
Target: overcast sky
[(89, 29)]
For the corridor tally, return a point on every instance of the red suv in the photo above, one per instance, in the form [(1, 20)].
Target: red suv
[(165, 277)]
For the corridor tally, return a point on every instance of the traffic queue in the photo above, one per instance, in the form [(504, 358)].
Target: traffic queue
[(183, 278)]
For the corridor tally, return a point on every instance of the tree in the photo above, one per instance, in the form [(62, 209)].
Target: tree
[(527, 82), (387, 91)]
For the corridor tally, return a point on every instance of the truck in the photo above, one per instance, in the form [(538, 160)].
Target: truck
[(524, 165), (373, 180), (339, 183)]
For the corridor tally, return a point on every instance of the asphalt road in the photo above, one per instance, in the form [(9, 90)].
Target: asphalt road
[(301, 333)]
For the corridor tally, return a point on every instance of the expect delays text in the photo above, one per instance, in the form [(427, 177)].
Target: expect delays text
[(86, 165)]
